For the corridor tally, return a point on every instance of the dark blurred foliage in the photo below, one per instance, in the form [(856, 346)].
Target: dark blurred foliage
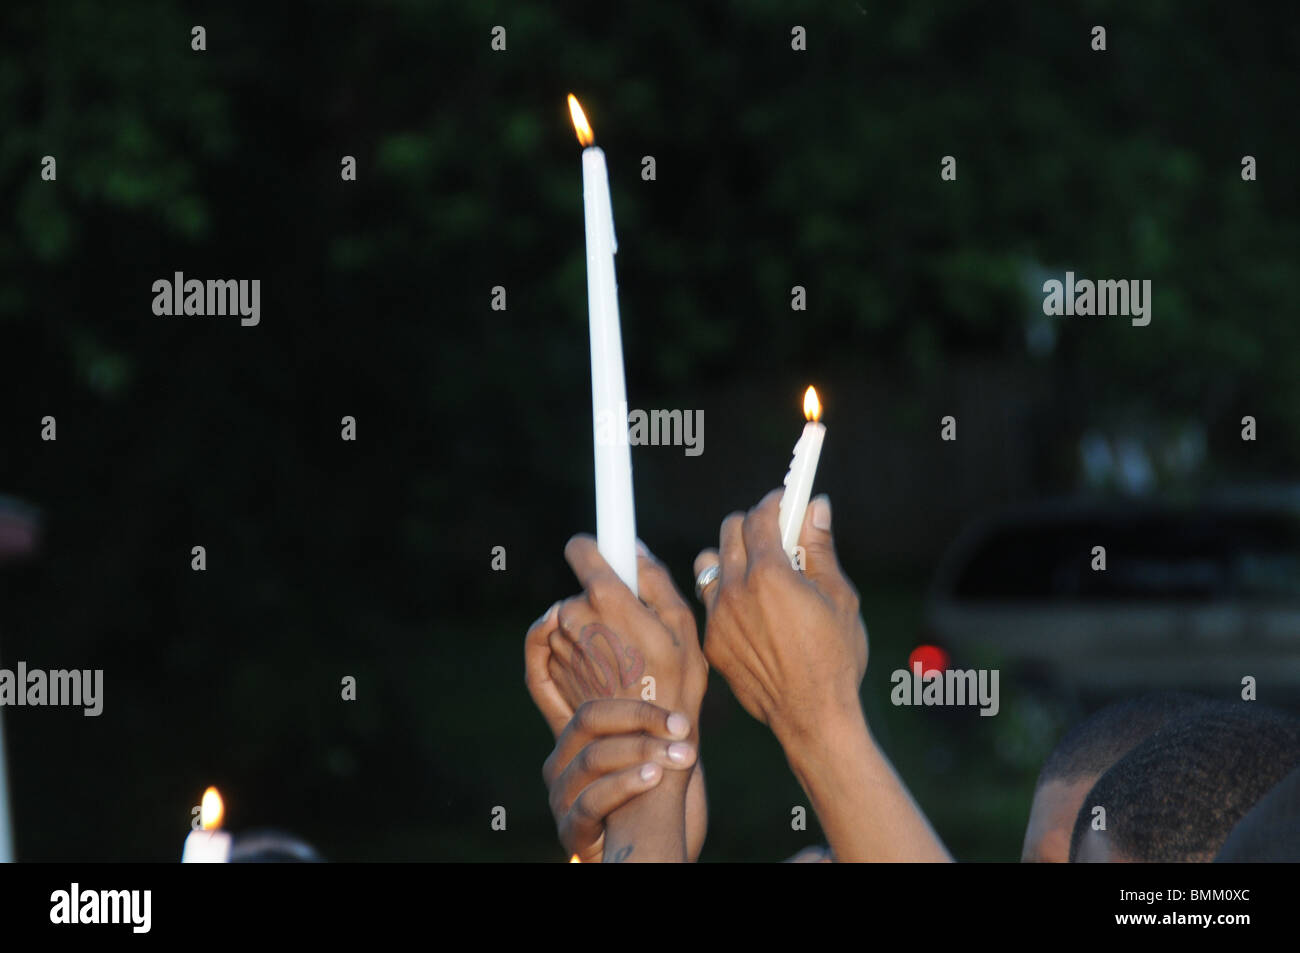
[(371, 559)]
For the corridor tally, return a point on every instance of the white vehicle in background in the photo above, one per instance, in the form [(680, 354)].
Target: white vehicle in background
[(1194, 596)]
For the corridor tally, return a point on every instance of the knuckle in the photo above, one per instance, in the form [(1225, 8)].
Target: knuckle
[(681, 619), (569, 612), (650, 749), (852, 600), (585, 717), (648, 716), (763, 575), (553, 800), (564, 828), (584, 763), (728, 595), (601, 592)]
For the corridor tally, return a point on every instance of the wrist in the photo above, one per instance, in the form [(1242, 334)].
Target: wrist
[(835, 715), (651, 827), (687, 702), (817, 750), (864, 808)]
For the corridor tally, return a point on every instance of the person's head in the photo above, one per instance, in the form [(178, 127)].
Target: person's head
[(1081, 757), (1176, 796), (271, 847), (1270, 831)]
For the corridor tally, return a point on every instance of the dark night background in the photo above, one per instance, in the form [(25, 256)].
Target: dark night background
[(774, 168)]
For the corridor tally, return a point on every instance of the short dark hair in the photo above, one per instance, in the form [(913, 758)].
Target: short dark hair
[(1270, 833), (1176, 796), (1104, 737)]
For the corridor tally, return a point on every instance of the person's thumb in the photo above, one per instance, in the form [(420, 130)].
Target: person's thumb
[(820, 563)]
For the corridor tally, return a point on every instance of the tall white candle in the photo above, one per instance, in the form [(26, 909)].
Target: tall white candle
[(799, 478), (209, 844), (615, 511)]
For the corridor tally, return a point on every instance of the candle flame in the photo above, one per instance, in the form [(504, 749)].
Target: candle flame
[(211, 810), (812, 407), (574, 859), (580, 125)]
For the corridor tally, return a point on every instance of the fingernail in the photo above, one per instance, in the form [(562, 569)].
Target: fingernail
[(822, 512), (679, 726), (544, 616), (679, 752), (641, 548), (648, 772)]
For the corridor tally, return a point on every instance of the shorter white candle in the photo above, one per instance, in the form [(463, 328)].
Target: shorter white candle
[(208, 845), (803, 469)]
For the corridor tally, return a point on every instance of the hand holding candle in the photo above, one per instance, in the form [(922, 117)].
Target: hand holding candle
[(803, 468)]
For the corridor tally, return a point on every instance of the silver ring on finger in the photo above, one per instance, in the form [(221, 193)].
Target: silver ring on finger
[(706, 578)]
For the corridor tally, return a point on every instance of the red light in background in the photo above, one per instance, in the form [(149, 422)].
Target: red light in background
[(931, 657)]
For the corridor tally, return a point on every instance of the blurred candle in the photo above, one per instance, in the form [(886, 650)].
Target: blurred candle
[(6, 834), (209, 844), (615, 511), (803, 468), (18, 530)]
